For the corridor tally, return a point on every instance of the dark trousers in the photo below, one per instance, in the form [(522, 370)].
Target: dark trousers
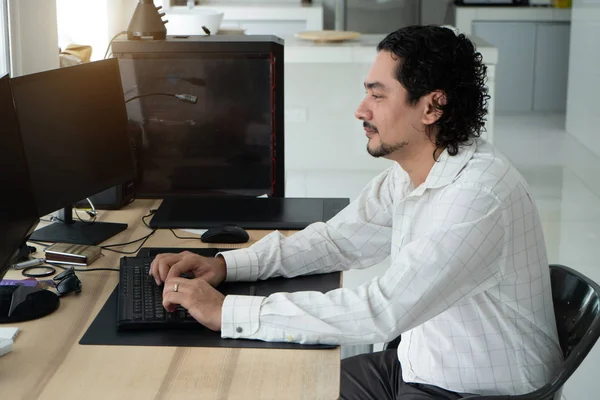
[(378, 376)]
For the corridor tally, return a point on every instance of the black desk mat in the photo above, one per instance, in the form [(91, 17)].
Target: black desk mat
[(103, 330)]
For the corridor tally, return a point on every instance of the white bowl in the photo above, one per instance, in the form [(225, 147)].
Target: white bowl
[(190, 22)]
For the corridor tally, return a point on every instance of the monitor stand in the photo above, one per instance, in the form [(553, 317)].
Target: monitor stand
[(69, 231), (22, 303)]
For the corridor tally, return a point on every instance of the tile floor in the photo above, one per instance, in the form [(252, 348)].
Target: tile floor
[(562, 175)]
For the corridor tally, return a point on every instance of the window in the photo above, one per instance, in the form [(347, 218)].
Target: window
[(4, 66)]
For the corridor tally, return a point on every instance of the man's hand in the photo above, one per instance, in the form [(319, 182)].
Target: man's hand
[(202, 301), (169, 265)]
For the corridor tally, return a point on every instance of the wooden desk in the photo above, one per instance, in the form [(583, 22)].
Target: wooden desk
[(48, 363)]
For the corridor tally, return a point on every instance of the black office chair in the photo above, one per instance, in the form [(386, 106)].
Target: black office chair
[(577, 310)]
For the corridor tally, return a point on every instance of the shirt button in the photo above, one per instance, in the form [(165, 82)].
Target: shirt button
[(239, 329), (289, 338)]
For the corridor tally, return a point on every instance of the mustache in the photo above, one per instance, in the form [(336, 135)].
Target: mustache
[(370, 126)]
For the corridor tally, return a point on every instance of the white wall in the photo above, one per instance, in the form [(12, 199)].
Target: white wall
[(583, 119), (33, 36), (92, 22), (321, 132)]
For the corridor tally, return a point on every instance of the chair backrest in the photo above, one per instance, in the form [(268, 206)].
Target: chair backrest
[(577, 311)]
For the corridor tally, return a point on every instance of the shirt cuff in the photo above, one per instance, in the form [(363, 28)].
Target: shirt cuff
[(240, 317), (242, 265)]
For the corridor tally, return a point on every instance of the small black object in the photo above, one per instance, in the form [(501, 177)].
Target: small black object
[(23, 303), (67, 282), (44, 271), (225, 234)]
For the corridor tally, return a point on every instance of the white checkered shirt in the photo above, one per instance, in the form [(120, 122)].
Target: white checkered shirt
[(468, 286)]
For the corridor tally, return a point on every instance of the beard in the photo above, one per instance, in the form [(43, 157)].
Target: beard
[(385, 149)]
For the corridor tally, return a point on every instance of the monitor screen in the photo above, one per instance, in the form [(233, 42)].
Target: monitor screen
[(224, 144), (74, 126), (18, 214)]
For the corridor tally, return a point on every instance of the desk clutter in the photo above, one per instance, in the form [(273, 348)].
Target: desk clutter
[(72, 254), (7, 337), (104, 140)]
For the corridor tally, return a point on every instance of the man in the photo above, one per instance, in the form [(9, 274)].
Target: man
[(468, 286)]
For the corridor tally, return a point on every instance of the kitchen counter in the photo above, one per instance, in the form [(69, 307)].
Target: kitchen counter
[(361, 50), (312, 14)]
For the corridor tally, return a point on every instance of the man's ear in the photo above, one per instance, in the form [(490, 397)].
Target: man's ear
[(434, 107)]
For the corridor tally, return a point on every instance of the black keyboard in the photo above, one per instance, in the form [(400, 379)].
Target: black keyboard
[(140, 300)]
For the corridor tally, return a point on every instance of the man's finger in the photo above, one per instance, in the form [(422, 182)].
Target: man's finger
[(154, 263), (164, 264), (183, 284), (159, 259), (179, 268), (172, 299)]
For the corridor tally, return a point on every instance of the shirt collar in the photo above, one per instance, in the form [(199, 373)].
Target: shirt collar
[(447, 167)]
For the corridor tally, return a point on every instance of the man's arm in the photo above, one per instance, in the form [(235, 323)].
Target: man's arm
[(460, 257), (358, 237)]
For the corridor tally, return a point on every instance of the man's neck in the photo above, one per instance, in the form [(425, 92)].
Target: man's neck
[(419, 162)]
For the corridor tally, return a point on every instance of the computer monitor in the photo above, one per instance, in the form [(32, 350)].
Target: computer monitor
[(18, 218), (18, 214), (74, 127), (231, 141)]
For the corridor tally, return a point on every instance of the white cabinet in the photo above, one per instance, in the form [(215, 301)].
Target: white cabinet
[(532, 71), (515, 42), (551, 69), (533, 47)]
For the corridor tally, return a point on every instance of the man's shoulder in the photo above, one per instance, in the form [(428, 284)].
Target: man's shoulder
[(491, 170)]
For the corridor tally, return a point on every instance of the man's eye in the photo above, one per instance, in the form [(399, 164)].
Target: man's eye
[(375, 96)]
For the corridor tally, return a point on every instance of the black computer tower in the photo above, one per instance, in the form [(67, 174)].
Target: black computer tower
[(230, 140), (113, 198)]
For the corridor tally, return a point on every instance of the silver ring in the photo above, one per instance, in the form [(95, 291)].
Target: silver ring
[(176, 287)]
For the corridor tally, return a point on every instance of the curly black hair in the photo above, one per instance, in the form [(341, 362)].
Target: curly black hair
[(436, 58)]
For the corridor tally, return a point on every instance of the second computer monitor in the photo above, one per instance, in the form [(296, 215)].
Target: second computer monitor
[(74, 126), (18, 214)]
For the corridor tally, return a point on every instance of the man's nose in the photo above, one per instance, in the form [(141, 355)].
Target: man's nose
[(363, 113)]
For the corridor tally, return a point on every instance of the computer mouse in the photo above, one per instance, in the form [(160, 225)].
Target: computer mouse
[(225, 234)]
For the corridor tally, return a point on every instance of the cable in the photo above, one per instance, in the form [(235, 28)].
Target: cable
[(184, 237), (108, 247), (92, 212), (146, 216), (186, 98), (83, 270), (44, 245), (110, 43), (149, 94), (143, 239), (89, 221), (45, 271)]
